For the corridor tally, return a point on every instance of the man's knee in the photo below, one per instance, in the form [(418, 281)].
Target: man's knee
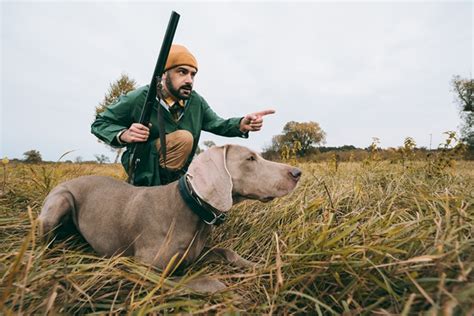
[(182, 139)]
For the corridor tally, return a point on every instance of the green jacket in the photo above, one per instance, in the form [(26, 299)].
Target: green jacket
[(197, 116)]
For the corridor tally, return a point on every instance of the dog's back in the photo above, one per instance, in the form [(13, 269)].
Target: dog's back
[(88, 204)]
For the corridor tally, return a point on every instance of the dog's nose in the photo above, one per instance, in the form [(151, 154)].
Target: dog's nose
[(295, 173)]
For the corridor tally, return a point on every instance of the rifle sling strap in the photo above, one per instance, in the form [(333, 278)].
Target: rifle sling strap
[(161, 131)]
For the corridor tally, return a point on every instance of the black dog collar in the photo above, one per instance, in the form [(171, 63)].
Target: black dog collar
[(202, 209)]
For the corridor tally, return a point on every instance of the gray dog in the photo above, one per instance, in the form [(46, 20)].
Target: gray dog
[(168, 225)]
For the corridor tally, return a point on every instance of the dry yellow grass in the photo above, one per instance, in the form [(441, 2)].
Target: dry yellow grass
[(368, 238)]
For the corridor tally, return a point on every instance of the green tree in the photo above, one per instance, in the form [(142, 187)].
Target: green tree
[(305, 134), (32, 156), (464, 93), (121, 86)]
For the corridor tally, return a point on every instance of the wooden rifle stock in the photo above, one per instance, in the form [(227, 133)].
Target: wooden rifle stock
[(136, 149)]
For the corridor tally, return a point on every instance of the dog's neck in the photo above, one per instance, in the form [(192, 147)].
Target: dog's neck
[(205, 211)]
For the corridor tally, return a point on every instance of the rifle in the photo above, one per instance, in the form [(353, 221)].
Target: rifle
[(152, 95)]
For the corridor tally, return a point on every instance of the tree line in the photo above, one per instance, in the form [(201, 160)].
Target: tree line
[(305, 139), (34, 156)]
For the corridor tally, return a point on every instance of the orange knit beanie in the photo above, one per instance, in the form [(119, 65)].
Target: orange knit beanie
[(180, 55)]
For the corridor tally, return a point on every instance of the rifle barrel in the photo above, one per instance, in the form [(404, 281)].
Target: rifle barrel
[(136, 149)]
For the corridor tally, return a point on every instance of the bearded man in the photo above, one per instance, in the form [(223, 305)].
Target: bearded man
[(186, 115)]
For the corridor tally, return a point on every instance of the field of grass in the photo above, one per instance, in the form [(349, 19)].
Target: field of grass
[(369, 238)]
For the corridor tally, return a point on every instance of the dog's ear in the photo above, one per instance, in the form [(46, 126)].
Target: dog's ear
[(210, 178)]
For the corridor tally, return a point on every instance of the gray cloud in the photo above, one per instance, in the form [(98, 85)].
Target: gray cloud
[(359, 69)]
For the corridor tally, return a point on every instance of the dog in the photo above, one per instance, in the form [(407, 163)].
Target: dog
[(168, 225)]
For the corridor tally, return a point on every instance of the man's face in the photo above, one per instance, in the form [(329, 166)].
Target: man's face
[(179, 81)]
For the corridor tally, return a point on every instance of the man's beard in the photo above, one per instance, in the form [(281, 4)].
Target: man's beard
[(176, 92)]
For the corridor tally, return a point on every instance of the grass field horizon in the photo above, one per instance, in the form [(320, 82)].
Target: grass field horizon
[(369, 237)]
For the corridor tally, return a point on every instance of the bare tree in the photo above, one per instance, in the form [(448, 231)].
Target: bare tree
[(121, 86), (102, 158), (464, 92), (208, 143)]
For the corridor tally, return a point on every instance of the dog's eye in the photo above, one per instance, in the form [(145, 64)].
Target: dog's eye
[(251, 158)]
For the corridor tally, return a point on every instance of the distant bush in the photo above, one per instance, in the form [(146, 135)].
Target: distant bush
[(32, 156)]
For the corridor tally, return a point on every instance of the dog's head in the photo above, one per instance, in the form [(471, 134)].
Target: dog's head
[(224, 175)]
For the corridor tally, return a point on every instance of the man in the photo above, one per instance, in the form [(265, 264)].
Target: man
[(186, 114)]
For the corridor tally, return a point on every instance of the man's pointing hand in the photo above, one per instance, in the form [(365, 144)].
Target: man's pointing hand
[(253, 122)]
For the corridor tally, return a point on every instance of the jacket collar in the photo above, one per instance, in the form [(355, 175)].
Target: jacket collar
[(206, 212), (169, 100)]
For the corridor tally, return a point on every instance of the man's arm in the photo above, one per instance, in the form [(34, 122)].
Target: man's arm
[(219, 126), (118, 118), (253, 122), (249, 123)]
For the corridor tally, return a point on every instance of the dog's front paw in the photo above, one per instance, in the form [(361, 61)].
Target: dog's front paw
[(205, 285), (244, 263)]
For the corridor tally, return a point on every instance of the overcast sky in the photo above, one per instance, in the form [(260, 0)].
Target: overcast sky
[(359, 69)]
